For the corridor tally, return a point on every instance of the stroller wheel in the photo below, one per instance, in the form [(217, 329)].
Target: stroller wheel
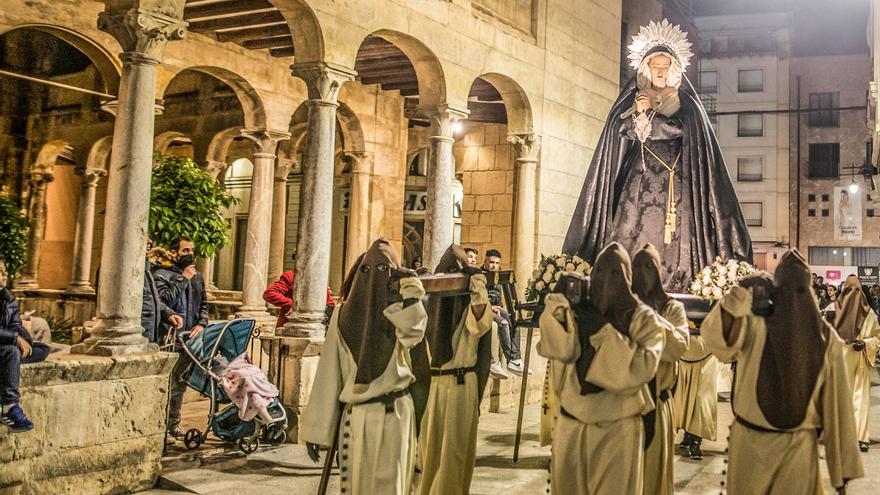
[(277, 436), (192, 439), (249, 445)]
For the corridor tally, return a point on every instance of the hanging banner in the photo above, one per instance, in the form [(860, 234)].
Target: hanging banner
[(868, 275), (847, 215)]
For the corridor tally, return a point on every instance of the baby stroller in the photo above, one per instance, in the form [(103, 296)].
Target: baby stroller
[(210, 351)]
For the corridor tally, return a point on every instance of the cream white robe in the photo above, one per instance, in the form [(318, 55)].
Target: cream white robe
[(600, 449), (448, 439), (783, 462), (376, 449), (659, 479), (858, 368), (695, 402)]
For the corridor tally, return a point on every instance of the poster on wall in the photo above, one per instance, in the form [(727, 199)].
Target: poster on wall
[(847, 215)]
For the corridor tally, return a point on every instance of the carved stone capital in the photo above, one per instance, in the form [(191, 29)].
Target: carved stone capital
[(91, 176), (212, 168), (111, 106), (39, 178), (323, 80), (361, 162), (283, 166), (442, 119), (142, 33), (526, 145), (266, 139)]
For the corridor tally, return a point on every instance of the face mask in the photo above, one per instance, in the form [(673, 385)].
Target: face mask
[(184, 261)]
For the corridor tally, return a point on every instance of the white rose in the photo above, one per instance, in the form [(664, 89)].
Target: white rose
[(582, 268), (551, 269), (577, 260), (548, 277), (707, 279), (706, 291), (695, 286), (732, 273), (569, 267), (706, 271), (539, 286), (717, 293), (553, 286), (721, 281), (557, 276), (560, 261), (732, 263)]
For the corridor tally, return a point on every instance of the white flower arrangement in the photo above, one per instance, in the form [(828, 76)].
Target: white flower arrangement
[(549, 271), (716, 280)]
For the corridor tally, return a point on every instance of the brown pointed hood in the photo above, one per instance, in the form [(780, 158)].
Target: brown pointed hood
[(611, 287), (646, 282), (366, 332), (852, 309), (446, 313), (795, 345)]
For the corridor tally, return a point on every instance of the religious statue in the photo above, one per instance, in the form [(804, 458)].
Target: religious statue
[(657, 174)]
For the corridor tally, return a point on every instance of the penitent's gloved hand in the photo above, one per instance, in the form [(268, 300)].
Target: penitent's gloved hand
[(313, 450), (411, 288)]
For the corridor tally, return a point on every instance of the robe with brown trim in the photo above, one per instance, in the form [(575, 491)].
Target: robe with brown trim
[(765, 458)]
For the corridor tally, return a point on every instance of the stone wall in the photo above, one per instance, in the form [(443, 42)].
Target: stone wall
[(99, 426)]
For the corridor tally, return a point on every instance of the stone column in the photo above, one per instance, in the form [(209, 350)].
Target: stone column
[(441, 173), (205, 266), (526, 147), (39, 180), (259, 226), (316, 209), (359, 206), (142, 32), (80, 282), (279, 218)]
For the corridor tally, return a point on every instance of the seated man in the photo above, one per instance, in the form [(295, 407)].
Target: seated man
[(508, 335), (16, 348)]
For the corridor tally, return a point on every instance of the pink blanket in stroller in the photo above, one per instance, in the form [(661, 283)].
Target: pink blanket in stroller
[(247, 387)]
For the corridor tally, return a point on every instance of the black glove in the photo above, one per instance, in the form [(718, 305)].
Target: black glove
[(858, 345), (314, 453)]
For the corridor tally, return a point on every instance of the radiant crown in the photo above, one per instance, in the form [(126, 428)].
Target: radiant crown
[(662, 34)]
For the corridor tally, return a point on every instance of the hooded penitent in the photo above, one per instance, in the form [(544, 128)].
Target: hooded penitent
[(366, 332), (446, 313), (630, 197), (852, 309), (646, 281), (795, 346)]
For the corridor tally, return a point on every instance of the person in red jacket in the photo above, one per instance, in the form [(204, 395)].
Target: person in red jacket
[(281, 294)]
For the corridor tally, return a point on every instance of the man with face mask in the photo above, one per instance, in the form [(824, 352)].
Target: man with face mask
[(858, 327), (365, 364), (791, 387), (448, 437), (603, 350), (182, 289), (659, 431)]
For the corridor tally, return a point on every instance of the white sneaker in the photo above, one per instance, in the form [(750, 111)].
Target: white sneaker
[(496, 371), (516, 366)]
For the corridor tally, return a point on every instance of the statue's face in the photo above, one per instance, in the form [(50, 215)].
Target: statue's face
[(659, 67)]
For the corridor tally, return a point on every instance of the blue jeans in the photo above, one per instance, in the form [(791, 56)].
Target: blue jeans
[(508, 336), (10, 369)]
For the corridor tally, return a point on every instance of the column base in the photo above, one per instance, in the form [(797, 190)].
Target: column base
[(298, 367), (99, 347), (115, 337), (81, 289), (306, 325), (265, 321), (26, 284)]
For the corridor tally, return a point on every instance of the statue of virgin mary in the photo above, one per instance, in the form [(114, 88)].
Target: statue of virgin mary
[(657, 175)]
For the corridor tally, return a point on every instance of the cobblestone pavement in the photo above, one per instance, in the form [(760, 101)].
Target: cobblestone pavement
[(220, 469)]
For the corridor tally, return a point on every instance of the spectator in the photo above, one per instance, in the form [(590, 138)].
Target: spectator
[(508, 334), (16, 348), (874, 298), (182, 289), (281, 294), (471, 256), (154, 311)]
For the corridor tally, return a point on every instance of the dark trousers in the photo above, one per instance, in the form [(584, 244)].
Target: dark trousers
[(176, 388), (508, 336), (10, 369)]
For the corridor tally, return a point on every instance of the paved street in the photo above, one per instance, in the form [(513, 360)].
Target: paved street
[(216, 469)]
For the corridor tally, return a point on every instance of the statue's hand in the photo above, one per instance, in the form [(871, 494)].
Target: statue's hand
[(643, 103)]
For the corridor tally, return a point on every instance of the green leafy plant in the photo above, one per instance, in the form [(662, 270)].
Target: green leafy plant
[(13, 235), (185, 201)]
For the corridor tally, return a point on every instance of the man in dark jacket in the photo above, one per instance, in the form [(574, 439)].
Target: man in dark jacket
[(16, 348), (182, 289), (155, 313)]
